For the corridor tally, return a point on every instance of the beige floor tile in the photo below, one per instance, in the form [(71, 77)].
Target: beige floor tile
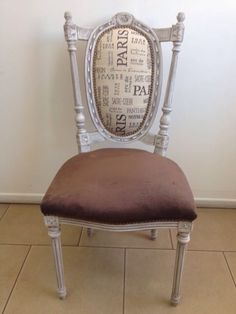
[(214, 229), (207, 285), (94, 279), (11, 261), (23, 224), (231, 259), (3, 209), (126, 239)]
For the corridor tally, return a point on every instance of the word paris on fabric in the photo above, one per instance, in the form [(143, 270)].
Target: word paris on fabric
[(122, 79)]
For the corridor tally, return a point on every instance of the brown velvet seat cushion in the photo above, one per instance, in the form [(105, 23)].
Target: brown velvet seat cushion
[(120, 186)]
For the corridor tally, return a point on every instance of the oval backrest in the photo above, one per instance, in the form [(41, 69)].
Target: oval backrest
[(123, 78)]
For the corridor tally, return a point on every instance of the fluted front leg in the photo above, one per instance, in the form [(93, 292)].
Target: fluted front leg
[(183, 237), (55, 233)]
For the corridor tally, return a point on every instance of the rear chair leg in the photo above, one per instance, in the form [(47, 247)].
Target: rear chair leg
[(183, 237), (55, 233), (90, 232), (153, 234)]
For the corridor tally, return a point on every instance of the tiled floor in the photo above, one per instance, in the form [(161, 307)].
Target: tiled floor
[(116, 273)]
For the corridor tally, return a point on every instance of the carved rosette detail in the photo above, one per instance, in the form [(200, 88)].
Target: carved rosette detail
[(185, 226), (177, 33), (51, 221), (162, 141), (123, 19), (70, 32), (84, 139), (53, 225)]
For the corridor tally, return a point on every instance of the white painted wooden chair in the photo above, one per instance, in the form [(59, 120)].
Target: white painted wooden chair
[(121, 189)]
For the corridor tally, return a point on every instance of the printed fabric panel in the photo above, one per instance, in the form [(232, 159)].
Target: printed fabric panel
[(122, 79)]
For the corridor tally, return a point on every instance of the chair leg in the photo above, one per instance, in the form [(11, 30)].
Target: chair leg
[(90, 232), (183, 237), (153, 234), (55, 233)]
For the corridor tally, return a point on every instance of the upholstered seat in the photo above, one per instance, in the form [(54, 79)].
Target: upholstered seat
[(119, 186)]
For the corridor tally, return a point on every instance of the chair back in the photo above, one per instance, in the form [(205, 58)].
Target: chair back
[(123, 78)]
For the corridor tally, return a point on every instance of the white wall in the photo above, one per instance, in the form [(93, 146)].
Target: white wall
[(36, 111)]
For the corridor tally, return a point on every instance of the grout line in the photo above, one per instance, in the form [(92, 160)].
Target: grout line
[(171, 240), (13, 287), (126, 247), (124, 283), (229, 269), (82, 229), (37, 244), (208, 251), (119, 247), (5, 212), (155, 249), (228, 251)]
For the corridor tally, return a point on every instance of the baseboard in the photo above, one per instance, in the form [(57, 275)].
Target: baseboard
[(33, 198), (215, 202), (26, 198)]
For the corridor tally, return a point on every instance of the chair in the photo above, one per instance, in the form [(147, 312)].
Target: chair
[(121, 189)]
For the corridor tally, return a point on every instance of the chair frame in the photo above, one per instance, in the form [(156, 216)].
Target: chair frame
[(73, 33)]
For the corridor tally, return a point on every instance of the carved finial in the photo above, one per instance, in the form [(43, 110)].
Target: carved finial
[(178, 29), (68, 16), (180, 17), (70, 29)]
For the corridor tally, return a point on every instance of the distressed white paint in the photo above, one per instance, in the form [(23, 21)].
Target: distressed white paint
[(36, 101), (52, 222), (54, 232), (184, 229)]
